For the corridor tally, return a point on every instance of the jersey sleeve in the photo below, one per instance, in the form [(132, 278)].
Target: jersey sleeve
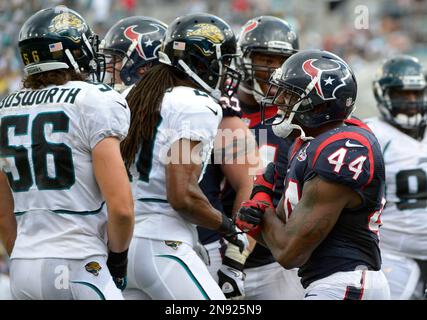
[(191, 116), (347, 161), (105, 113)]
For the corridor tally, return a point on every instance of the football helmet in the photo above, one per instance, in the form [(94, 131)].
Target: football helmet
[(267, 35), (135, 42), (400, 91), (312, 88), (59, 38), (202, 46)]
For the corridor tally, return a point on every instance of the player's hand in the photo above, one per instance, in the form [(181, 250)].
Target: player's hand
[(231, 276), (249, 216), (263, 188), (230, 232), (231, 282), (117, 264), (238, 238)]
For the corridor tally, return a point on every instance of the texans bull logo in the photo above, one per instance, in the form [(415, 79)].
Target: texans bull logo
[(144, 39), (327, 82)]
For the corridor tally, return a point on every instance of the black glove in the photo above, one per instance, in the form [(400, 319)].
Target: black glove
[(117, 264), (230, 275), (249, 216), (230, 232)]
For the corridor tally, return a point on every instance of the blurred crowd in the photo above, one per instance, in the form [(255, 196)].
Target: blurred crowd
[(362, 32)]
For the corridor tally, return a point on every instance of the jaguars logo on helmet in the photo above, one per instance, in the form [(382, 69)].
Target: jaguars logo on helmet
[(66, 20), (202, 46), (206, 31)]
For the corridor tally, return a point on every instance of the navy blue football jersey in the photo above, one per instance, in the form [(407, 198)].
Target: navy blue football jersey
[(348, 155), (272, 149)]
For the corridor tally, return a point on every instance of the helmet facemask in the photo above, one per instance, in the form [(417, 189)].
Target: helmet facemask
[(405, 108), (257, 74), (218, 78), (290, 101)]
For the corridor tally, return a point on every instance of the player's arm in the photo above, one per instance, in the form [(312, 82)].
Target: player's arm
[(113, 181), (7, 216), (311, 221), (184, 193), (240, 159)]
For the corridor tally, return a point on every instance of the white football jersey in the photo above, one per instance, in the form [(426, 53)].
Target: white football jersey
[(46, 143), (185, 113), (404, 218)]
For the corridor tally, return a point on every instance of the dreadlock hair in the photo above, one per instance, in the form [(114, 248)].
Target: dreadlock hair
[(144, 102)]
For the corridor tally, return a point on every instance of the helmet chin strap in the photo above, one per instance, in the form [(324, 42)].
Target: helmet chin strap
[(72, 61), (215, 93), (283, 127)]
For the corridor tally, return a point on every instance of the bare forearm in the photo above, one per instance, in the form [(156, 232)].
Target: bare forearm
[(120, 230), (8, 232), (274, 235), (8, 227), (197, 209)]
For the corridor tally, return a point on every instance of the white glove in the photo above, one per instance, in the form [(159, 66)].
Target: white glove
[(230, 275), (203, 253)]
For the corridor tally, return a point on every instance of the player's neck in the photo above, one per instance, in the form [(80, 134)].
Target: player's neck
[(314, 132)]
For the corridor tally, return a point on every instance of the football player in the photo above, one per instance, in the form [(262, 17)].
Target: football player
[(131, 47), (265, 43), (60, 154), (327, 221), (234, 158), (175, 116), (400, 91)]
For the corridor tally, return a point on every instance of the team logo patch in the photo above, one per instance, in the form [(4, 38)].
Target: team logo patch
[(302, 155), (208, 31), (143, 41), (65, 21), (93, 267), (173, 244), (326, 84)]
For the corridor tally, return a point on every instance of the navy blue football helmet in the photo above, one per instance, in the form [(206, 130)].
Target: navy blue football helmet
[(135, 42), (266, 35), (312, 88)]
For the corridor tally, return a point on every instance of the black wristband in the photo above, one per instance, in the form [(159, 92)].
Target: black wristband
[(232, 263), (227, 226), (117, 259)]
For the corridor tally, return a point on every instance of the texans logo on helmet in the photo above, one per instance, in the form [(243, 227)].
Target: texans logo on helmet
[(327, 83), (143, 38)]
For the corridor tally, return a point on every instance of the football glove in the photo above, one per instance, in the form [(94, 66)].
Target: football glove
[(249, 216), (117, 264), (230, 275), (233, 234)]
